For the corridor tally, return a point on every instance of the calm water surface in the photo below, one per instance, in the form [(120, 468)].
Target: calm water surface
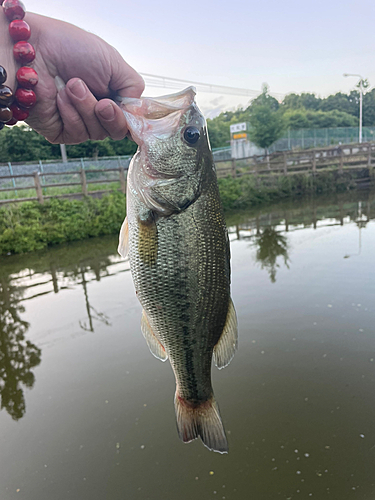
[(87, 412)]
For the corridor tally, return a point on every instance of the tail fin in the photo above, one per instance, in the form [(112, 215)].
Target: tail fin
[(202, 421)]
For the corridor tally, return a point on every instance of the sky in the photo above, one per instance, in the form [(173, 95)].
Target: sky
[(293, 46)]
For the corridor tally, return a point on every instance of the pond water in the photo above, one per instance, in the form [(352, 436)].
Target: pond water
[(87, 412)]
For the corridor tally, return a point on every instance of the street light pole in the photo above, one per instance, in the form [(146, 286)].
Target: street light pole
[(360, 83), (360, 108)]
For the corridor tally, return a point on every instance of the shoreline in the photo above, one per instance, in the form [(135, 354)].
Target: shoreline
[(29, 226)]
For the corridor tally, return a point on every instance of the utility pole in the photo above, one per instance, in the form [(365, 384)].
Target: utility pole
[(63, 153)]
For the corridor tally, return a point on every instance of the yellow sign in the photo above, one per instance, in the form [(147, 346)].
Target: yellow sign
[(239, 136)]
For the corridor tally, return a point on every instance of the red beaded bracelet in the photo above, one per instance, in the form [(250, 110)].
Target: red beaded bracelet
[(15, 107), (6, 98)]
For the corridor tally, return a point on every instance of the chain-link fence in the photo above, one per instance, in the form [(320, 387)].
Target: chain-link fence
[(293, 139), (70, 167), (320, 137), (307, 139)]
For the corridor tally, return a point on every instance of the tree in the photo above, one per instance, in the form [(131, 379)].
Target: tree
[(369, 108), (267, 123), (218, 132), (266, 126), (297, 119), (342, 102), (21, 143), (265, 99), (304, 100)]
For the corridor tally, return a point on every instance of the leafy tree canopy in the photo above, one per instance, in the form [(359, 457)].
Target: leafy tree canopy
[(296, 111), (266, 125), (21, 143)]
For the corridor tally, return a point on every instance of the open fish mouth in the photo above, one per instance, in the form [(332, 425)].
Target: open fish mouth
[(158, 116)]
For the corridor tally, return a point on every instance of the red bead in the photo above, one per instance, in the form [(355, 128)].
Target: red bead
[(25, 98), (14, 9), (19, 30), (27, 77), (18, 113), (11, 122), (24, 52)]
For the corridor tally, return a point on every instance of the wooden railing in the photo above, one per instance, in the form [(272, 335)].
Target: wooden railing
[(338, 158), (84, 183)]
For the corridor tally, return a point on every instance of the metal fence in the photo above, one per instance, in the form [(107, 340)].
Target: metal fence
[(75, 165), (293, 139), (320, 137), (306, 139)]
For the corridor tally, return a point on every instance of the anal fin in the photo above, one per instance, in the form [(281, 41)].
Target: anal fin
[(123, 246), (155, 346), (226, 347)]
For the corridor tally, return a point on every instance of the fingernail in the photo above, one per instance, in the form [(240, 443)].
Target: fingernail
[(108, 113), (78, 89)]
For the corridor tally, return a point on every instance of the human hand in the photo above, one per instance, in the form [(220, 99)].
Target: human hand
[(91, 69)]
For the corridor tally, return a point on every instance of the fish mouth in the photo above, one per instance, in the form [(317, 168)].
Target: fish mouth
[(158, 116)]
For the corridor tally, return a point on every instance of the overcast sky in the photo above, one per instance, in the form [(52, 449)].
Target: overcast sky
[(294, 46)]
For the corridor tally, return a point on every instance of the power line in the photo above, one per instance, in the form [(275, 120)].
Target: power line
[(176, 83)]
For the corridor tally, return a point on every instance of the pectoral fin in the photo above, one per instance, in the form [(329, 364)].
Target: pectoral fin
[(225, 348), (123, 246), (155, 346)]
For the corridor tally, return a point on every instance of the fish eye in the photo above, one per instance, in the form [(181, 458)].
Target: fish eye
[(191, 135)]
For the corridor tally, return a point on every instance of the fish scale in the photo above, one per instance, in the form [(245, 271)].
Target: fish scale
[(180, 262)]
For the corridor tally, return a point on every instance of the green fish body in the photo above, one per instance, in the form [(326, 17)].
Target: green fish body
[(176, 238)]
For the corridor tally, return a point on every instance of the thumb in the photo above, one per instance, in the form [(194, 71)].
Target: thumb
[(125, 81)]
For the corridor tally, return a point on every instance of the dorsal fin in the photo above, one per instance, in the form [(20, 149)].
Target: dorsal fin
[(225, 348), (154, 344)]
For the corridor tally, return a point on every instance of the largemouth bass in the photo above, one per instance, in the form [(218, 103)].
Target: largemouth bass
[(177, 242)]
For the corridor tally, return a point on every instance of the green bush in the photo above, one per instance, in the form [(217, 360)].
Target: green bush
[(29, 226)]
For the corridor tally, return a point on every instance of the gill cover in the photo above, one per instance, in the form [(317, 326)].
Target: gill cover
[(170, 131)]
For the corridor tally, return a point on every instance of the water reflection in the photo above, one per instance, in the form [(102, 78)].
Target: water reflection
[(25, 279), (271, 244), (29, 277), (268, 230), (17, 355)]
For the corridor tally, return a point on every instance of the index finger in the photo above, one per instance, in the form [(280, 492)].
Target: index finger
[(111, 118)]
